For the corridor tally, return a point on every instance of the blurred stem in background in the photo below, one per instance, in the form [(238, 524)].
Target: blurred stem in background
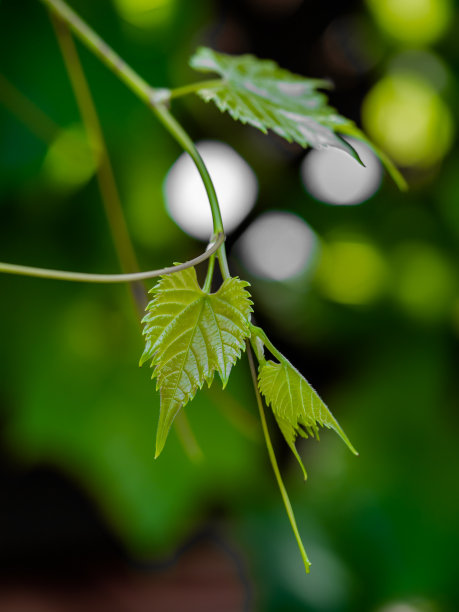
[(105, 176), (26, 111), (154, 98)]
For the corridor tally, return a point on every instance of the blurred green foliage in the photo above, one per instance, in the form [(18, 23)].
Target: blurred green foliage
[(374, 326)]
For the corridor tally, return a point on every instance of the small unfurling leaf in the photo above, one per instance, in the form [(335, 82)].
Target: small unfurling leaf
[(297, 408), (189, 335)]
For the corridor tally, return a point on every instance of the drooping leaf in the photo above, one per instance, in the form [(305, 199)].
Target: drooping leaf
[(191, 334), (297, 408), (266, 96)]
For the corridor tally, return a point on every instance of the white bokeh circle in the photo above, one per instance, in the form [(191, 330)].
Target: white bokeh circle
[(234, 181), (277, 246), (334, 177)]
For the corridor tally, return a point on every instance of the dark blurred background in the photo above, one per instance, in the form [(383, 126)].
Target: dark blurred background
[(355, 282)]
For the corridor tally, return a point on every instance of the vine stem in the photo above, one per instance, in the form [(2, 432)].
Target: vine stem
[(178, 92), (154, 98), (176, 130), (81, 277), (210, 273), (257, 332), (272, 457)]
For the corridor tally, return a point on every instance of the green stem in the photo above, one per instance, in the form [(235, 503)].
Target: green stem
[(154, 98), (81, 277), (257, 332), (194, 87), (210, 273), (272, 457), (177, 131)]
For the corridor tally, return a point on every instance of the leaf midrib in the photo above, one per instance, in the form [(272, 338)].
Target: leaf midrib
[(203, 300)]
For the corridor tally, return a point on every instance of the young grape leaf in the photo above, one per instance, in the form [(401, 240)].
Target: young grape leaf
[(191, 334), (266, 96), (296, 406)]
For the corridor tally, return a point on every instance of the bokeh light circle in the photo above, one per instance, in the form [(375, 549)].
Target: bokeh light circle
[(413, 21), (234, 181), (71, 160), (424, 63), (334, 177), (351, 272), (145, 14), (277, 246), (405, 115), (425, 283)]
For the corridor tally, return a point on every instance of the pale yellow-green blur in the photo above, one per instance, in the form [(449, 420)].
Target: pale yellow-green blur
[(424, 281), (351, 272), (145, 14), (70, 161), (413, 21), (408, 119)]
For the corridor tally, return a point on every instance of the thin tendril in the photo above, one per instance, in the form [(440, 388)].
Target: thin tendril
[(81, 277)]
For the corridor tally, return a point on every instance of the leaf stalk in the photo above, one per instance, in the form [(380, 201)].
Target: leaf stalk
[(178, 92)]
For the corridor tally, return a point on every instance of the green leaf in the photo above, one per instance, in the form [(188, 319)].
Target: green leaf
[(297, 408), (260, 93), (191, 334)]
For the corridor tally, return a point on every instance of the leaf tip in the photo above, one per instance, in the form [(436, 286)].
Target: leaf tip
[(159, 448), (224, 379), (161, 436), (298, 458), (349, 445)]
